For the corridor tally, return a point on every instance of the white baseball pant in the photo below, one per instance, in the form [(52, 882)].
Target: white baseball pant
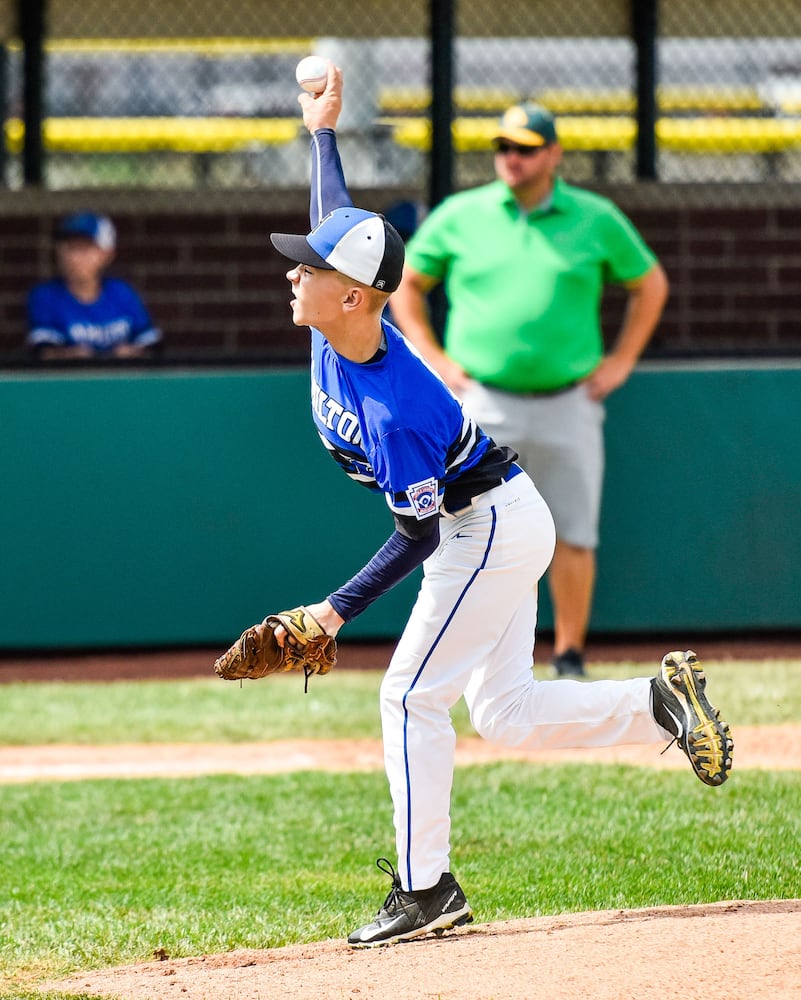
[(471, 633)]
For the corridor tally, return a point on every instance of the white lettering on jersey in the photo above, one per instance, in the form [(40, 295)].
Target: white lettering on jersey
[(100, 335), (334, 410), (335, 417), (348, 428)]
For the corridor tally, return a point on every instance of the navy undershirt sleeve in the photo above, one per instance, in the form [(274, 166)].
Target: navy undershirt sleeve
[(328, 189), (393, 562)]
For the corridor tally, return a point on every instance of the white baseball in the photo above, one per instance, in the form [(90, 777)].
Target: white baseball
[(312, 74)]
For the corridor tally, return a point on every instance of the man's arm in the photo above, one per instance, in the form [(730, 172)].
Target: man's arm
[(410, 314), (647, 297)]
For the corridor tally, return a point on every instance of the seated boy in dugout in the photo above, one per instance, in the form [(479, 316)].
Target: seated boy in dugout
[(82, 313)]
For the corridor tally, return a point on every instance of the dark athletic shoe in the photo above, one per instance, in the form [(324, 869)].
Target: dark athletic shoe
[(568, 664), (680, 706), (407, 915)]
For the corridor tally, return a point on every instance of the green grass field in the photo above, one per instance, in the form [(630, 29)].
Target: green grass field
[(341, 704), (99, 873)]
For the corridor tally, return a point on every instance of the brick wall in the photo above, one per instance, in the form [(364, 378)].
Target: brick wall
[(207, 272), (204, 266), (735, 273)]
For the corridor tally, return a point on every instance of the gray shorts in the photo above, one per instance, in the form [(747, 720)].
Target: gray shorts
[(559, 438)]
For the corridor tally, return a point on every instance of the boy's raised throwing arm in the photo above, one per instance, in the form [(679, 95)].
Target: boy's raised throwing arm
[(320, 115)]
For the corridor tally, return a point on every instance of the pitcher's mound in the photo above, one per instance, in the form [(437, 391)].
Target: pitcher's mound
[(730, 951)]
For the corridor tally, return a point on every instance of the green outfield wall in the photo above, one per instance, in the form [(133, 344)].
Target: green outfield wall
[(160, 507)]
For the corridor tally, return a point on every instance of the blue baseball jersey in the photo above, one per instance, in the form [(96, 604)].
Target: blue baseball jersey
[(118, 316), (394, 426)]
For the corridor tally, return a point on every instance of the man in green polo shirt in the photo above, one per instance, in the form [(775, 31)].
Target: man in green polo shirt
[(524, 261)]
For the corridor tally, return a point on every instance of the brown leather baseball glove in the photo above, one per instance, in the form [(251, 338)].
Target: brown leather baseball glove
[(256, 653)]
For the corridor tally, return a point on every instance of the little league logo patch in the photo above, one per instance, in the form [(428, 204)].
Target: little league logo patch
[(423, 497)]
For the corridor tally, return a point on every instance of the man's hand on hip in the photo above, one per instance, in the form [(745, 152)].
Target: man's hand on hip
[(610, 374)]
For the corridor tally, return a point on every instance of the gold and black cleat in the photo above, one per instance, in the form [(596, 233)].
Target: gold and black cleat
[(681, 706)]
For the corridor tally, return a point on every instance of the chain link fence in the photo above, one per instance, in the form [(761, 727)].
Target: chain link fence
[(163, 94), (181, 121)]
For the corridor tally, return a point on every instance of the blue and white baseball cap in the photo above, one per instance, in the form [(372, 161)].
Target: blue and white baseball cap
[(97, 228), (359, 244)]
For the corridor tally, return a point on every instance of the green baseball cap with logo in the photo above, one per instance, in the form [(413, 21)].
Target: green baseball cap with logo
[(527, 125)]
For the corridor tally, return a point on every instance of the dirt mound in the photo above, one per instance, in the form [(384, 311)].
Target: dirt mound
[(729, 950)]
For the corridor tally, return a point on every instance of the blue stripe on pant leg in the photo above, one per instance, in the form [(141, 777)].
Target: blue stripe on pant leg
[(428, 656)]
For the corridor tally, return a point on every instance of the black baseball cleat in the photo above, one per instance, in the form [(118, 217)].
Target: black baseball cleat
[(407, 915), (679, 705)]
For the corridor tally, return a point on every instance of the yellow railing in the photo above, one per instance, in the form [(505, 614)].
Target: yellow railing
[(577, 101), (220, 46), (147, 135), (711, 134), (616, 133)]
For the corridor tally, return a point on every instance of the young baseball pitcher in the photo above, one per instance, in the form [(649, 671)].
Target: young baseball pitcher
[(467, 512)]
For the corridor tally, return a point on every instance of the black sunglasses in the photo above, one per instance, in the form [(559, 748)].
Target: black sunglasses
[(500, 146)]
